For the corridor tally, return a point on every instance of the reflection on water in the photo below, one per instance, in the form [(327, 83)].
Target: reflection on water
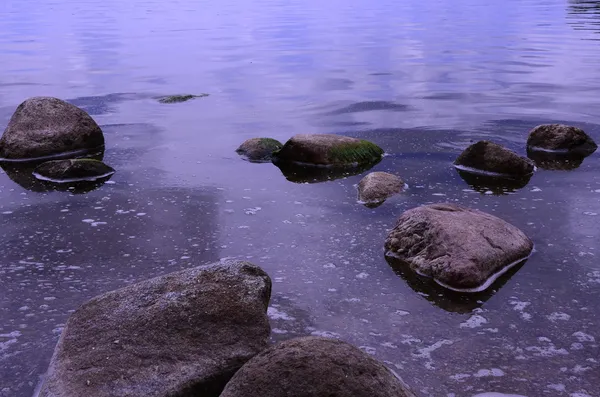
[(492, 184), (585, 15)]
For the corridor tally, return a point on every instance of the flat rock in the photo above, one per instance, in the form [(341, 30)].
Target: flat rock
[(376, 187), (491, 158), (44, 127), (259, 149), (182, 334), (73, 170), (315, 367), (560, 138), (329, 150), (460, 248)]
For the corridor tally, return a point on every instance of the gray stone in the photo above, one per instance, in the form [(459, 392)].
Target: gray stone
[(460, 248), (73, 170), (491, 158), (315, 367), (329, 150), (560, 138), (183, 334), (376, 187), (259, 149), (44, 127)]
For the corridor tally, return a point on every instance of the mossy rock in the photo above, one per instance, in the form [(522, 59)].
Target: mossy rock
[(259, 150), (329, 150), (179, 98), (74, 170)]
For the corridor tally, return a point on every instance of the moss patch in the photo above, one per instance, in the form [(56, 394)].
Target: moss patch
[(360, 152), (179, 98)]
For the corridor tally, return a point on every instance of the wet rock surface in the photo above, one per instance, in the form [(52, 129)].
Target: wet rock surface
[(259, 149), (49, 127), (182, 334), (179, 98), (489, 157), (460, 248), (376, 187), (315, 367), (73, 170), (560, 138)]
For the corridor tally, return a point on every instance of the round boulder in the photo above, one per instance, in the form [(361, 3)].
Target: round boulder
[(493, 159), (460, 248), (560, 138), (315, 367), (73, 170), (44, 127), (376, 187), (259, 150), (328, 150)]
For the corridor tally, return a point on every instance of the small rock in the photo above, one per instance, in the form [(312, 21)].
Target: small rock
[(376, 187), (182, 334), (494, 159), (73, 170), (315, 367), (560, 138), (179, 98), (328, 150), (460, 248), (259, 149), (44, 127)]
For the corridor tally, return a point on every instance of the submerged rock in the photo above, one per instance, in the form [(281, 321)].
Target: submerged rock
[(44, 127), (328, 150), (299, 173), (315, 367), (460, 248), (179, 98), (182, 334), (73, 170), (491, 158), (259, 149), (376, 187), (560, 138), (487, 184)]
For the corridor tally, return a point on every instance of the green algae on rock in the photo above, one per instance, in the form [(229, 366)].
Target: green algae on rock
[(179, 98), (73, 170), (259, 150)]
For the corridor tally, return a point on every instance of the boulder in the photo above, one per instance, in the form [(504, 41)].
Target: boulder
[(73, 170), (179, 98), (315, 367), (376, 187), (328, 150), (259, 149), (182, 334), (44, 127), (560, 138), (460, 248), (491, 158)]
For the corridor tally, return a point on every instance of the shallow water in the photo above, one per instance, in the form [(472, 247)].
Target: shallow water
[(421, 79)]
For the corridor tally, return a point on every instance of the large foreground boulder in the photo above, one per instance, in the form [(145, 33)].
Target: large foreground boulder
[(73, 170), (259, 150), (44, 127), (328, 150), (491, 158), (376, 187), (560, 138), (182, 334), (315, 367), (460, 248)]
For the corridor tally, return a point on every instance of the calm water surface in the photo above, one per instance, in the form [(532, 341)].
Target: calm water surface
[(420, 78)]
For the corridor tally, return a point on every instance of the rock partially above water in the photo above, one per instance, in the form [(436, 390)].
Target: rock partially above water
[(259, 149), (376, 187), (179, 98), (560, 138), (44, 127), (62, 171), (315, 367), (328, 150), (460, 248), (182, 334), (491, 158)]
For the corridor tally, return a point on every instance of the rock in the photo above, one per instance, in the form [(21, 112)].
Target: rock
[(73, 170), (460, 248), (315, 367), (259, 149), (560, 138), (44, 127), (376, 187), (491, 158), (182, 334), (179, 98), (328, 150)]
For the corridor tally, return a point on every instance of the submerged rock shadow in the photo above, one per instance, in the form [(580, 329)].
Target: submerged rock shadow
[(300, 173), (557, 161), (498, 185)]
